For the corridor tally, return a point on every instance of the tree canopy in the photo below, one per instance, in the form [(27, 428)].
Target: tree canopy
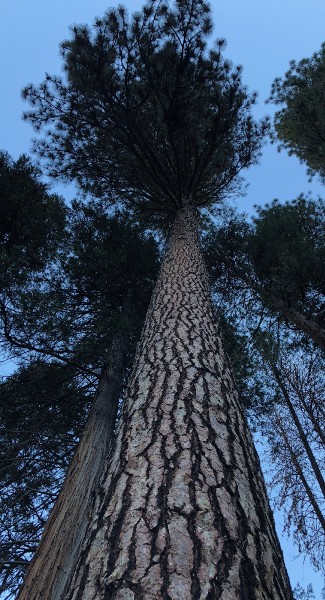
[(300, 123), (88, 288), (276, 261), (31, 219), (59, 318), (145, 113)]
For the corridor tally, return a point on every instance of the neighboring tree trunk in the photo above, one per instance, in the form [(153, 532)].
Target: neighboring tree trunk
[(317, 419), (303, 437), (55, 559), (182, 512), (307, 326), (299, 471)]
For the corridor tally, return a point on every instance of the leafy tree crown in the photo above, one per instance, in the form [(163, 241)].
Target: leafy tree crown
[(145, 112), (31, 219), (300, 123)]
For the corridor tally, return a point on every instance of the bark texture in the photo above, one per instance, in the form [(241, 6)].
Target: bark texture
[(182, 511), (56, 556)]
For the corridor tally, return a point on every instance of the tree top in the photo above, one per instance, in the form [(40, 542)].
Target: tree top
[(146, 114)]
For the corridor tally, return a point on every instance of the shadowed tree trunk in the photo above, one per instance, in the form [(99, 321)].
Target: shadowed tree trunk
[(307, 326), (301, 433), (181, 512), (55, 559), (299, 471), (293, 316)]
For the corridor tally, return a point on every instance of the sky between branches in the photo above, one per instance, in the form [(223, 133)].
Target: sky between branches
[(261, 35)]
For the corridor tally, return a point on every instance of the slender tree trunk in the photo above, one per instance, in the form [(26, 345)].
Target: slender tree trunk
[(55, 559), (299, 471), (301, 433), (182, 512), (308, 406), (307, 326)]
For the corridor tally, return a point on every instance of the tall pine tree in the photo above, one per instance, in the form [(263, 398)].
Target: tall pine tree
[(149, 117)]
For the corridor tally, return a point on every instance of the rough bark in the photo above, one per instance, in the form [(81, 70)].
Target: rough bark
[(54, 561), (182, 511)]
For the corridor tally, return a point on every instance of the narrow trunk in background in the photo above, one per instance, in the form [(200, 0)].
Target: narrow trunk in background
[(299, 471), (307, 326), (55, 559), (182, 511), (301, 433)]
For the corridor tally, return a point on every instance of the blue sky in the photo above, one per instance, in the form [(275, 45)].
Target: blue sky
[(262, 35)]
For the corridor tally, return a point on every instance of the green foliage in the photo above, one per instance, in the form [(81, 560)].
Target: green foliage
[(42, 411), (301, 594), (98, 286), (145, 113), (244, 362), (60, 327), (272, 264), (287, 250), (259, 272), (31, 220), (300, 124), (111, 267)]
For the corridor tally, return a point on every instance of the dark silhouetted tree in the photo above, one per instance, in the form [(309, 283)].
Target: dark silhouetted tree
[(300, 123)]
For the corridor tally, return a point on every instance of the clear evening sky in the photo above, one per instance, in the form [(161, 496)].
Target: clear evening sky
[(262, 35)]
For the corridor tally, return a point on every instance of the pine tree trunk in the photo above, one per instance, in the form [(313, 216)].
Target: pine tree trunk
[(182, 512), (301, 433), (307, 326), (56, 556), (298, 471)]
